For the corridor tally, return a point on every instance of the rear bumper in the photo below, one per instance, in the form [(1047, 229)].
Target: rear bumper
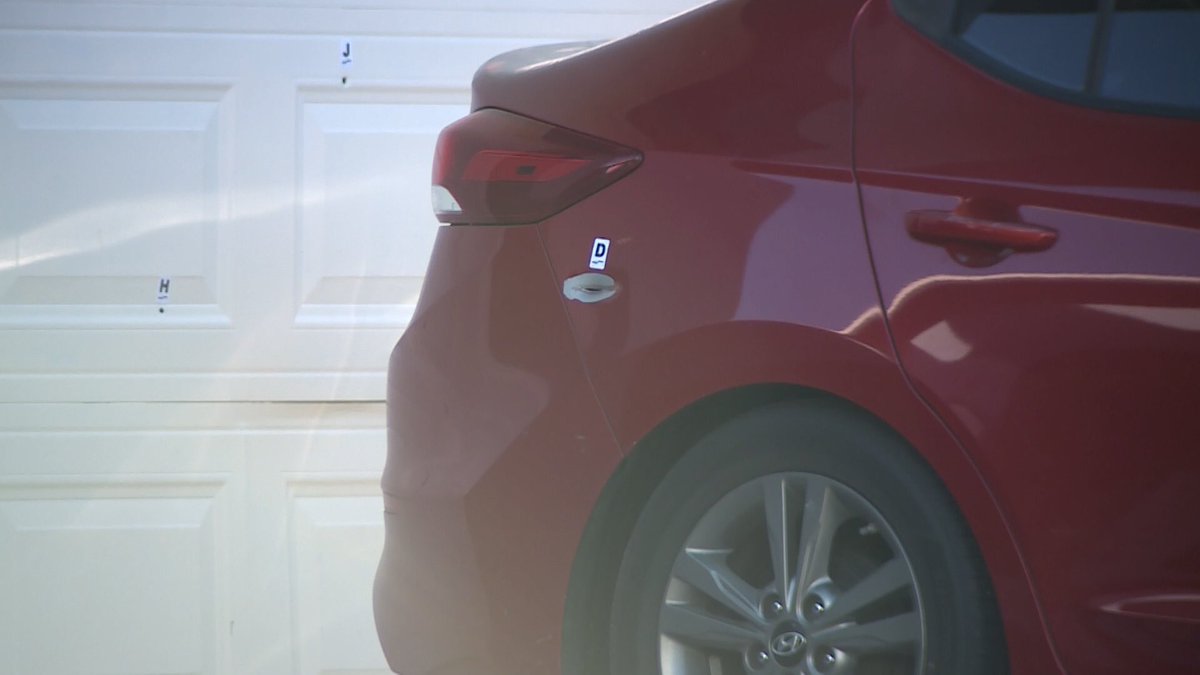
[(427, 592), (497, 452)]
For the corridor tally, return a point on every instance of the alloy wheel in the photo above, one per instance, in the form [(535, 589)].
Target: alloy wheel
[(791, 574)]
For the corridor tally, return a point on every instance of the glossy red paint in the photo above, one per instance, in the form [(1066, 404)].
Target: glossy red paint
[(1049, 388), (692, 84), (758, 286), (497, 449), (1070, 371)]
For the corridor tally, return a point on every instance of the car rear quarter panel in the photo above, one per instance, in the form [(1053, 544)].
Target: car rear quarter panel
[(740, 278), (497, 451), (738, 247)]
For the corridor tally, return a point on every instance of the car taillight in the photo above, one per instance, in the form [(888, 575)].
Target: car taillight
[(497, 168)]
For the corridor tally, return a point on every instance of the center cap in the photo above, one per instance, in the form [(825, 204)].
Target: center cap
[(787, 646)]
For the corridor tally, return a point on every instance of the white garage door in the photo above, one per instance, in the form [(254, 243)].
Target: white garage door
[(212, 231)]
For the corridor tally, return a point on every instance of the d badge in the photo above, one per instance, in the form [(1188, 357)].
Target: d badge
[(599, 253)]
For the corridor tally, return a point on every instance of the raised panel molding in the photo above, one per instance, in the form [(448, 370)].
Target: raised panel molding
[(115, 573), (336, 538), (108, 187), (365, 158), (232, 538)]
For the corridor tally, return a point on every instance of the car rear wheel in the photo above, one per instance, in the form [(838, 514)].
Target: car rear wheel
[(802, 540)]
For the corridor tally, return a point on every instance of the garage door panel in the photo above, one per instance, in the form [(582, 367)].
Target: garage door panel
[(366, 229), (289, 213), (335, 540), (274, 206), (151, 597), (106, 187), (199, 537), (189, 484)]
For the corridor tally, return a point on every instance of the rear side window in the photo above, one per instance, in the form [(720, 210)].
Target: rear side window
[(1125, 54), (1051, 41), (1153, 53)]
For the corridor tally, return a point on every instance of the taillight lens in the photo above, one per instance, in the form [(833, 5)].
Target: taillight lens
[(497, 168)]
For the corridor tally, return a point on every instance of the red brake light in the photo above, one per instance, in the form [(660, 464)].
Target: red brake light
[(497, 168)]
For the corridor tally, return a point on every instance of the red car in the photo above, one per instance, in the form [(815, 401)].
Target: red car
[(811, 337)]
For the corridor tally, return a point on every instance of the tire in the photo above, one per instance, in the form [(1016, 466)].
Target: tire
[(893, 583)]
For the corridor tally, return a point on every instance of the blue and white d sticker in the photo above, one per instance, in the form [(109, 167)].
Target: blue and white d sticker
[(599, 253)]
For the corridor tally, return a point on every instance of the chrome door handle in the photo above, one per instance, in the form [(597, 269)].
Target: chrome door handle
[(589, 287)]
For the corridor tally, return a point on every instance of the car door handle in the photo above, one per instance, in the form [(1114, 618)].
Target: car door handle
[(946, 228), (589, 287)]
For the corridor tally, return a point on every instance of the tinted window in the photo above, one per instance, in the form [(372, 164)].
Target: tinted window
[(1141, 55), (1050, 41), (1153, 53)]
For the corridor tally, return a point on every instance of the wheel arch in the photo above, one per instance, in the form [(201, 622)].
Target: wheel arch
[(594, 570), (593, 573)]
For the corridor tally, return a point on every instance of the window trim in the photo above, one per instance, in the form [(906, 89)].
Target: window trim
[(936, 21)]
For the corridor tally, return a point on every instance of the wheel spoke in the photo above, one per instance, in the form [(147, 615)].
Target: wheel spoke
[(876, 636), (707, 572), (777, 502), (823, 513), (887, 579), (711, 609), (698, 627)]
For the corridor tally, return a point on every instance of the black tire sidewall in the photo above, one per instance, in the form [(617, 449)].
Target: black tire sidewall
[(853, 449)]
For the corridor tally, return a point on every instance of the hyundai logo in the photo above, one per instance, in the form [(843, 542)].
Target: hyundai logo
[(787, 644)]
